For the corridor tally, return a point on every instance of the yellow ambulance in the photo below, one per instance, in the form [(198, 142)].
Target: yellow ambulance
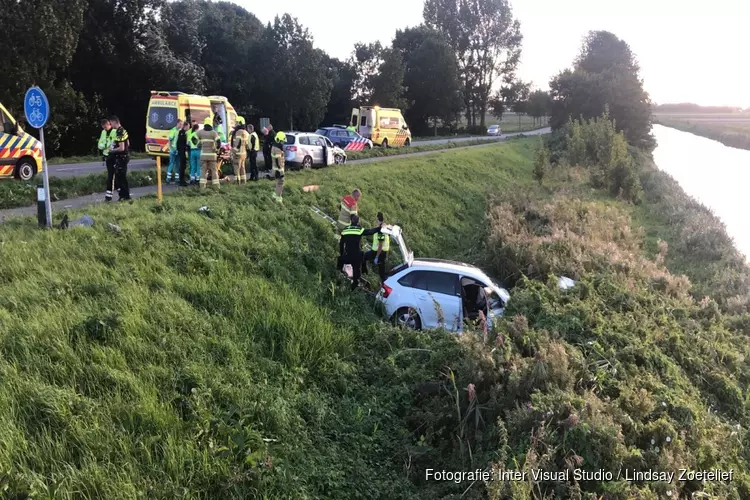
[(166, 107), (385, 127), (20, 153)]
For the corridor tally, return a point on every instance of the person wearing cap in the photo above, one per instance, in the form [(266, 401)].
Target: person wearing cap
[(239, 150), (210, 143), (277, 157), (350, 249)]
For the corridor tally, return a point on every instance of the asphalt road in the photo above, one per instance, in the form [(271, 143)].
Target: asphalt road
[(78, 169), (97, 198)]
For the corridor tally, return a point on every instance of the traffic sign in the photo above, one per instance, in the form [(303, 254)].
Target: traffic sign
[(36, 107)]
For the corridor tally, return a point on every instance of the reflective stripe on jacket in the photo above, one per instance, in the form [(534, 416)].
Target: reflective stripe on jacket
[(104, 142), (348, 208), (208, 140)]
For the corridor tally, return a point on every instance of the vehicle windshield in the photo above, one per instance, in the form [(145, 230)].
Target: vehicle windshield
[(321, 131), (494, 127), (162, 118)]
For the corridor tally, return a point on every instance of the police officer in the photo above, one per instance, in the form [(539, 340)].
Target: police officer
[(267, 145), (252, 150), (350, 251), (239, 150), (209, 144), (183, 151), (277, 155), (103, 144), (174, 158), (381, 245), (120, 152)]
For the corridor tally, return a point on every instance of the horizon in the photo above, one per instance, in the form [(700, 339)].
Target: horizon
[(668, 42)]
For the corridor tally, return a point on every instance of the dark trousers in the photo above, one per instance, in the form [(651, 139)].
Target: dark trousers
[(356, 262), (183, 166), (370, 257), (111, 180), (267, 161), (253, 157), (121, 176)]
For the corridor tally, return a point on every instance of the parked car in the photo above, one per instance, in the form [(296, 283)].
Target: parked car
[(345, 139), (434, 293), (494, 130), (307, 150)]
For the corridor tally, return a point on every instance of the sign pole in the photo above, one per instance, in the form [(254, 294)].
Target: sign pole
[(158, 178), (47, 201), (37, 111)]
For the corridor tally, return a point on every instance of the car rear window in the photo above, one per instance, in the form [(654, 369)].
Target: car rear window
[(290, 139), (162, 118)]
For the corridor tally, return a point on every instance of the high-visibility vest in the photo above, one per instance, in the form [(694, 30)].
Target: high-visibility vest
[(104, 142), (377, 238), (193, 141), (173, 134), (254, 145)]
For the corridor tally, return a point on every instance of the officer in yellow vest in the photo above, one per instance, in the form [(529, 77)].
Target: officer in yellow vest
[(174, 157), (195, 154), (381, 245), (239, 150), (210, 144), (277, 158), (103, 144), (253, 147)]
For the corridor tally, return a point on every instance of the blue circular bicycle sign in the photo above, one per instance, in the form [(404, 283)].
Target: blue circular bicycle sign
[(36, 107)]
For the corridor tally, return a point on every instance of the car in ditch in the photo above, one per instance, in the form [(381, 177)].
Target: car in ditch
[(434, 293)]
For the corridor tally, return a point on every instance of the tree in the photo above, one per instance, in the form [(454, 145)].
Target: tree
[(366, 61), (539, 104), (431, 78), (388, 84), (604, 76), (487, 43), (343, 76), (294, 91)]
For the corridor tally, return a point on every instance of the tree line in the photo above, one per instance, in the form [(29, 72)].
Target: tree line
[(100, 57)]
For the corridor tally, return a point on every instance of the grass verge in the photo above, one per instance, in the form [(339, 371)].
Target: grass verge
[(219, 355), (58, 160)]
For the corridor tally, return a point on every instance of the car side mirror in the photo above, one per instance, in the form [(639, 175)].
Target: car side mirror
[(405, 127)]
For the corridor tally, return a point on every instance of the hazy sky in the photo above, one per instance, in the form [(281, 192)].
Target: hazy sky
[(685, 48)]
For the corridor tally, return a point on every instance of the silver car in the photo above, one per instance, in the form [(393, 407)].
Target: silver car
[(307, 150), (494, 130)]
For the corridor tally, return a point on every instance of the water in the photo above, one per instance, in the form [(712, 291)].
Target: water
[(716, 175)]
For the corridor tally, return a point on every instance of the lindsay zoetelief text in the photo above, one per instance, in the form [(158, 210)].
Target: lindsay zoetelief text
[(630, 475)]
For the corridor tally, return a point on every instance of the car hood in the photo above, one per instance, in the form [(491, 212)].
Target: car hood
[(397, 236)]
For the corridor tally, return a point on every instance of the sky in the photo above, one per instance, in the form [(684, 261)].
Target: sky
[(688, 51)]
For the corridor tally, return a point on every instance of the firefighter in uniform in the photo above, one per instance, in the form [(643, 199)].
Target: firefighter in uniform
[(239, 150), (195, 154), (120, 154), (277, 156), (381, 245), (349, 208), (253, 147), (209, 144), (174, 157), (350, 251)]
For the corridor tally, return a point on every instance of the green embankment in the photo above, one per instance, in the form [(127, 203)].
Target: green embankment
[(222, 357), (15, 194)]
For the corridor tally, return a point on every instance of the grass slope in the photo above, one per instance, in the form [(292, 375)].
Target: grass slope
[(20, 194), (221, 357)]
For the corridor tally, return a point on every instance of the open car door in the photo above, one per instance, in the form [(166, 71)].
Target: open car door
[(396, 236)]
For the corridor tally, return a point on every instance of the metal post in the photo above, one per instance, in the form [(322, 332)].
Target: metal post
[(47, 201), (158, 178), (41, 206)]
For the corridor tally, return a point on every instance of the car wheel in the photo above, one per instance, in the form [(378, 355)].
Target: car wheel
[(339, 160), (25, 169), (385, 143), (307, 163), (407, 317), (407, 143)]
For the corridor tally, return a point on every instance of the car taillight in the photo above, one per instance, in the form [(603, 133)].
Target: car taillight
[(386, 290), (291, 148)]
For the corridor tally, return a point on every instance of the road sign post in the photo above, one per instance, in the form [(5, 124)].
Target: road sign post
[(36, 108)]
